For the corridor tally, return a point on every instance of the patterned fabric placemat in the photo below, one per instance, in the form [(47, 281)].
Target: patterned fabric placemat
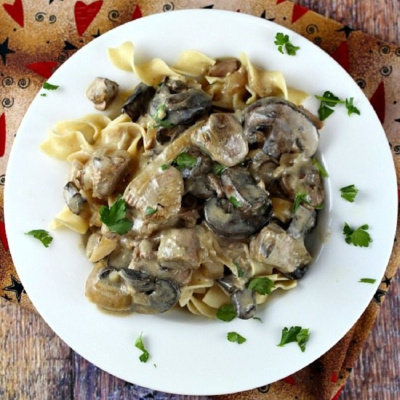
[(37, 37)]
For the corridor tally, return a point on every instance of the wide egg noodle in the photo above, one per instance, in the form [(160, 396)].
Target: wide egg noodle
[(71, 221), (193, 63), (68, 137)]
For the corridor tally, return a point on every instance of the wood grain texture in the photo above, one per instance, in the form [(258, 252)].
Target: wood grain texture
[(36, 364)]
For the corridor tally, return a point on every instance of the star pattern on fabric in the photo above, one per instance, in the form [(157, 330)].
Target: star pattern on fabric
[(51, 1), (378, 296), (387, 281), (96, 35), (16, 287), (6, 297), (347, 30), (264, 15), (4, 50)]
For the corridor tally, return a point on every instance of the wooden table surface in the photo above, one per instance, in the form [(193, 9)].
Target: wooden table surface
[(36, 364)]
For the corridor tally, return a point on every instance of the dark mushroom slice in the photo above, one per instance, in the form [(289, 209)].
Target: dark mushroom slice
[(224, 67), (303, 221), (298, 175), (75, 201), (138, 102), (120, 258), (226, 220), (238, 183), (223, 139), (102, 92), (262, 167), (243, 299), (274, 246), (182, 108), (279, 126)]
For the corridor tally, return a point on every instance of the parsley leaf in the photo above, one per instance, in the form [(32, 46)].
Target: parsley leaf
[(295, 334), (320, 168), (367, 280), (140, 345), (185, 160), (349, 193), (160, 117), (235, 202), (240, 271), (357, 237), (218, 169), (226, 313), (115, 217), (283, 42), (41, 235), (150, 211), (235, 337), (300, 198), (261, 285), (329, 100), (164, 167), (49, 86)]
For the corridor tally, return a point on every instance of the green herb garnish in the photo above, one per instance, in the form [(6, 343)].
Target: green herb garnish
[(235, 337), (300, 198), (226, 313), (49, 86), (349, 193), (218, 169), (41, 235), (258, 319), (185, 160), (150, 211), (329, 101), (43, 94), (367, 280), (235, 202), (160, 117), (140, 345), (240, 271), (320, 168), (283, 42), (115, 217), (295, 334), (164, 167), (357, 237), (261, 285)]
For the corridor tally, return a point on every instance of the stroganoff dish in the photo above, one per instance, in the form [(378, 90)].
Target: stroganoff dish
[(201, 192)]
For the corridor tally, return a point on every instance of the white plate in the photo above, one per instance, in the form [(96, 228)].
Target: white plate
[(191, 355)]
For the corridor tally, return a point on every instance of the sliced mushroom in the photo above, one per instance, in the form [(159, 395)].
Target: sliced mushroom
[(279, 126), (179, 249), (303, 221), (224, 67), (262, 167), (243, 299), (105, 169), (229, 221), (298, 175), (137, 104), (75, 201), (175, 104), (238, 183), (102, 92), (274, 246), (130, 290), (223, 139), (120, 257)]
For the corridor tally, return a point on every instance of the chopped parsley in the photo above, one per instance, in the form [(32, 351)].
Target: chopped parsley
[(283, 42), (235, 202), (185, 160), (235, 337), (261, 285), (218, 169), (43, 94), (357, 237), (164, 167), (258, 319), (115, 217), (140, 345), (349, 193), (49, 86), (320, 168), (150, 211), (295, 334), (226, 313), (240, 271), (300, 198), (329, 101), (160, 117), (41, 235), (367, 280)]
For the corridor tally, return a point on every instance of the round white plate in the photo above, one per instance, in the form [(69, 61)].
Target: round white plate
[(191, 355)]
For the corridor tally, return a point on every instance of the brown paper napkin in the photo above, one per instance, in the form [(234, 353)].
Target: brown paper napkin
[(38, 37)]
